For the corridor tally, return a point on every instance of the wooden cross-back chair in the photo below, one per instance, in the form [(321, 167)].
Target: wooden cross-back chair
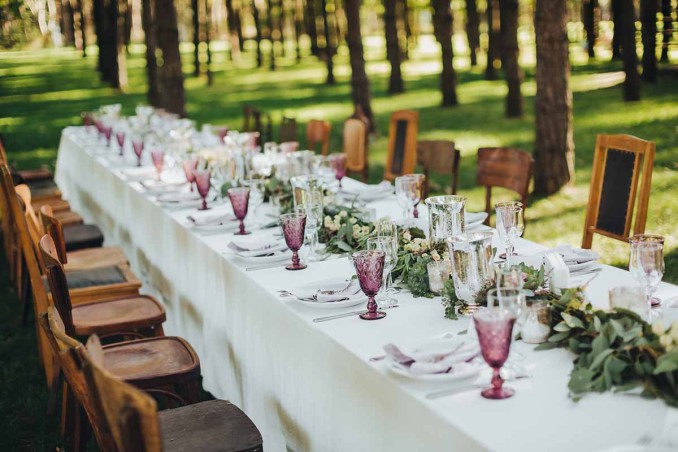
[(257, 121), (505, 167), (402, 144), (27, 176), (288, 130), (439, 157), (318, 134), (61, 211), (134, 424), (614, 187), (355, 147)]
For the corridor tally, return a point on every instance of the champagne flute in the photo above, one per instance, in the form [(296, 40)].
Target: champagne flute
[(314, 217), (406, 189), (388, 228), (510, 225), (389, 246), (646, 263)]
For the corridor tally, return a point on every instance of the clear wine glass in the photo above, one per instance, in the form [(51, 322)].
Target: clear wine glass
[(419, 192), (293, 227), (257, 192), (389, 245), (388, 228), (646, 263), (494, 327), (369, 266), (239, 197), (510, 225), (203, 183), (406, 194), (314, 218)]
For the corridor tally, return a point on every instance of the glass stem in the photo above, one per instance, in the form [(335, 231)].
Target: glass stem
[(509, 254), (497, 381)]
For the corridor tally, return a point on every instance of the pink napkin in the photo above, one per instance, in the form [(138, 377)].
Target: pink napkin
[(435, 357)]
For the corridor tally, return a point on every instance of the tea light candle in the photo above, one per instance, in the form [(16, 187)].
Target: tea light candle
[(438, 275), (536, 327)]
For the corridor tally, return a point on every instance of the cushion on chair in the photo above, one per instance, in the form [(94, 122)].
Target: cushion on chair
[(81, 236), (43, 188), (103, 276), (216, 425)]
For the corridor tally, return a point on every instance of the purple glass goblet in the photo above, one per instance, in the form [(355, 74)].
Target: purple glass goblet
[(494, 326), (294, 227), (120, 137), (240, 197), (107, 133), (222, 132), (338, 163), (202, 181), (158, 157), (190, 165), (369, 266), (99, 126), (138, 146)]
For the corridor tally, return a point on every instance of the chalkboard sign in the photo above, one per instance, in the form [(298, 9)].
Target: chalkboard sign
[(616, 191), (399, 146)]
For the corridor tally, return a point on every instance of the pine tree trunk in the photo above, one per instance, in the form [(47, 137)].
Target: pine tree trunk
[(238, 27), (472, 31), (298, 26), (208, 24), (281, 27), (68, 23), (393, 52), (171, 77), (338, 25), (270, 27), (81, 27), (617, 12), (493, 37), (667, 31), (121, 48), (257, 26), (360, 84), (98, 16), (329, 51), (407, 25), (589, 12), (195, 20), (232, 23), (311, 27), (128, 25), (554, 147), (147, 23), (628, 50), (108, 43), (648, 20), (442, 28), (510, 53)]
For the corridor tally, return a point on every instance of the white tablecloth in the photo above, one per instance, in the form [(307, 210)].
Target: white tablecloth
[(310, 386)]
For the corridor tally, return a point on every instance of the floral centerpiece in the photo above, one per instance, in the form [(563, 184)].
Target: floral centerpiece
[(344, 229)]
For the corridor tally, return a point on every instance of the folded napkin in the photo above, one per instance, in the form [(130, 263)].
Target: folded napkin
[(355, 187), (435, 357), (177, 197), (474, 217), (211, 218), (573, 255), (328, 292), (256, 246)]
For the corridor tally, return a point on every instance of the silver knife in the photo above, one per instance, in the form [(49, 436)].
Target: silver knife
[(471, 387), (338, 316), (272, 265)]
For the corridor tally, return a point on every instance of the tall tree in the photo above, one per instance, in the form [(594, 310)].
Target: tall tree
[(148, 25), (207, 25), (329, 51), (442, 28), (232, 19), (68, 22), (393, 51), (257, 26), (171, 77), (493, 50), (121, 48), (406, 15), (311, 27), (590, 18), (628, 50), (360, 84), (271, 31), (195, 16), (107, 41), (617, 12), (508, 12), (554, 147), (298, 17), (472, 31), (648, 20), (667, 30), (81, 27)]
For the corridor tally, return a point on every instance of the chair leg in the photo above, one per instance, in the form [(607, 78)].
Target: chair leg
[(192, 390)]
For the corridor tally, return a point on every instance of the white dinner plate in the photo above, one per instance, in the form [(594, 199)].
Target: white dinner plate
[(272, 256), (227, 226), (355, 295), (466, 370)]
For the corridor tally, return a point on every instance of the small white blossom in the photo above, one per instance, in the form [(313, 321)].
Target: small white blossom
[(658, 328)]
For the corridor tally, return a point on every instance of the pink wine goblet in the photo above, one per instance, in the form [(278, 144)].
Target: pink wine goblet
[(120, 137), (202, 181), (240, 197), (158, 157), (107, 133), (338, 163), (294, 227), (138, 146), (369, 266), (190, 165), (494, 326)]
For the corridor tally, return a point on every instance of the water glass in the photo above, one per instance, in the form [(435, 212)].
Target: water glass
[(510, 224), (293, 227), (407, 194), (389, 246), (257, 193), (471, 258), (138, 147), (646, 263), (190, 165), (494, 326), (369, 266), (314, 219), (446, 218), (420, 179), (630, 298)]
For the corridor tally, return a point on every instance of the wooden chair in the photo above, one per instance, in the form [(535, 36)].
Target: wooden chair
[(80, 259), (359, 113), (614, 187), (355, 147), (134, 424), (505, 167), (288, 130), (257, 121), (40, 179), (402, 144), (135, 362), (63, 212), (318, 133), (439, 157)]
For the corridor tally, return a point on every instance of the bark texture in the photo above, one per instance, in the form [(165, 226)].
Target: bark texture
[(147, 23), (628, 49), (360, 84), (195, 20), (170, 76), (472, 30), (493, 36), (554, 152), (590, 18), (617, 12), (329, 50), (510, 53), (393, 52), (648, 21), (667, 30), (442, 28)]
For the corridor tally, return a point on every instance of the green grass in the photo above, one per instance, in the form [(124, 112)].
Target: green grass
[(43, 91)]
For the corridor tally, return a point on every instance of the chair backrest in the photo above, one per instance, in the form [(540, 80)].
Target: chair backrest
[(510, 168), (40, 301), (129, 415), (318, 133), (439, 157), (58, 285), (614, 187), (35, 229), (359, 114), (402, 144), (54, 228), (288, 130), (355, 144)]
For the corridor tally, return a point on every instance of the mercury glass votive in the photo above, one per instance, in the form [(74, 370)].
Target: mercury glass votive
[(438, 275)]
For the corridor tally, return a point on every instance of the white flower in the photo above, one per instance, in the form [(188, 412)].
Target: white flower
[(658, 328), (353, 220), (435, 255), (666, 341), (343, 213), (407, 236)]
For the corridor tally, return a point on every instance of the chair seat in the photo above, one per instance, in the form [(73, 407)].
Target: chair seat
[(103, 276), (36, 175), (123, 314), (68, 218), (43, 188), (82, 236), (143, 362), (215, 425), (95, 258)]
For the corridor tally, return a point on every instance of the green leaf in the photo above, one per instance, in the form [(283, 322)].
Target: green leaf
[(559, 337), (600, 358), (561, 327), (545, 346)]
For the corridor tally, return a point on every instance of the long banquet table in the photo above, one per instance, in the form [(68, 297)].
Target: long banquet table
[(310, 386)]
